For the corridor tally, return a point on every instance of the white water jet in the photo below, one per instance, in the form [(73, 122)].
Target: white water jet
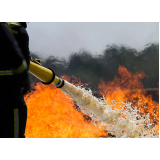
[(132, 126)]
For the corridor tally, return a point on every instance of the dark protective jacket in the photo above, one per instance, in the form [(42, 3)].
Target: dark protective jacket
[(7, 58), (13, 110)]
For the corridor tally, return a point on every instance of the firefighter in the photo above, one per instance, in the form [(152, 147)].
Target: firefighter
[(14, 79)]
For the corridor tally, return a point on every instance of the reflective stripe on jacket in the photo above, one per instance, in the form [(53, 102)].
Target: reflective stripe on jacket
[(18, 70), (4, 73)]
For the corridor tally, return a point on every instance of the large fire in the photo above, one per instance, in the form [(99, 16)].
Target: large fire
[(127, 87), (52, 114)]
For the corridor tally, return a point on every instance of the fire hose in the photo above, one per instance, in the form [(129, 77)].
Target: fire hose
[(46, 75)]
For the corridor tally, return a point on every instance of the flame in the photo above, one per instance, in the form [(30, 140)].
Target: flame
[(127, 88), (52, 115)]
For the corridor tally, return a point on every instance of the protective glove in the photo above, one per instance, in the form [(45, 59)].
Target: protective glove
[(37, 61), (12, 25)]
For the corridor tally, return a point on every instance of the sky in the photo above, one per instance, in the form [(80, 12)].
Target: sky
[(61, 39)]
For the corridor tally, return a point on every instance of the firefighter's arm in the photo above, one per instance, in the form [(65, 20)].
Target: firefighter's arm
[(23, 41), (20, 67)]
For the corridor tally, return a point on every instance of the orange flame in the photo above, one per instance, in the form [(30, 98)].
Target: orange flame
[(127, 87), (52, 115)]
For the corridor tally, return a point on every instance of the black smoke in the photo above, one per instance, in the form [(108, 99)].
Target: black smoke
[(90, 69)]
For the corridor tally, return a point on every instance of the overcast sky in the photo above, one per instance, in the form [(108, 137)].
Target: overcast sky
[(60, 39)]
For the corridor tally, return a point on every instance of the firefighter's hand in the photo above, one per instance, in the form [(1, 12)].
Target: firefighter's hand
[(37, 61)]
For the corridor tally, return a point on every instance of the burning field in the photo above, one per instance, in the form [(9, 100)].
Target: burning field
[(123, 109)]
